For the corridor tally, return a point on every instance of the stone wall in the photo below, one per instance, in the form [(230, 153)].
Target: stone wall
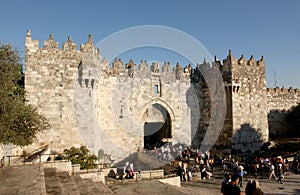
[(280, 100), (174, 181), (60, 166)]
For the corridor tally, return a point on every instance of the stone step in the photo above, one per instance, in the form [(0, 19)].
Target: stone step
[(103, 188), (23, 179), (52, 182), (146, 187), (68, 185), (87, 186)]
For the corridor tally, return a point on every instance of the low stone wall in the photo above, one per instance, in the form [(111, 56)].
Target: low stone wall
[(174, 181), (196, 176), (59, 165), (95, 177), (152, 174)]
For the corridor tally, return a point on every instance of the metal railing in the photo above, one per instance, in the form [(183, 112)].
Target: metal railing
[(14, 159), (52, 158)]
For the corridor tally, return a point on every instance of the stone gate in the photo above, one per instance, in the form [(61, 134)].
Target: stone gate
[(120, 108)]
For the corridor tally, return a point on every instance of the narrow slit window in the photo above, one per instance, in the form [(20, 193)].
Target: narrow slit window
[(61, 80), (156, 89), (60, 109)]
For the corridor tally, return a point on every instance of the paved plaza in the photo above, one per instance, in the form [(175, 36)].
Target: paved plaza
[(30, 179)]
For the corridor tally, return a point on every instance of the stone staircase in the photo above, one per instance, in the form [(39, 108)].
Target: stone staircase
[(34, 179), (142, 161), (62, 183)]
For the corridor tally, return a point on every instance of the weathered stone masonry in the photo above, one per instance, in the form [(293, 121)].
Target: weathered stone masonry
[(90, 102)]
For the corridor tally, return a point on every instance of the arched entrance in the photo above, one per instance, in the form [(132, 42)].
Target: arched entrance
[(157, 126)]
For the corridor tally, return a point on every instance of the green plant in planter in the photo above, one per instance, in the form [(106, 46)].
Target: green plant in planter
[(81, 156)]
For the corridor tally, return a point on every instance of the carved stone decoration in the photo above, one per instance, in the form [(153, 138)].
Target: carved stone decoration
[(166, 67), (106, 69), (155, 67), (50, 43), (178, 71), (69, 45), (131, 68), (143, 65), (117, 66)]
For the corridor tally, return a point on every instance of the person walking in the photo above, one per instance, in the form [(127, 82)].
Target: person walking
[(280, 174), (240, 174), (272, 172)]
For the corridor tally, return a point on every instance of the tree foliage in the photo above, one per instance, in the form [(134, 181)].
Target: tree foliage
[(19, 121), (81, 156)]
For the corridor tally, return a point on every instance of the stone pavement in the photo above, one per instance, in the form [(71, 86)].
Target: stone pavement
[(290, 186), (212, 186), (29, 179), (24, 179)]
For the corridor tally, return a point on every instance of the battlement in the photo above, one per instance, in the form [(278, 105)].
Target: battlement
[(283, 90), (88, 53), (32, 46), (231, 62)]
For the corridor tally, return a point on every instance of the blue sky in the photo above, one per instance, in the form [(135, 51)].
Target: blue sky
[(261, 28)]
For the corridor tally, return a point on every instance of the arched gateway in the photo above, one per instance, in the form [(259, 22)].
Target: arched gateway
[(157, 126)]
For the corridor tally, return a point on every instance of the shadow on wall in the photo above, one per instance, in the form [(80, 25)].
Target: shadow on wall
[(247, 139), (277, 124), (284, 123)]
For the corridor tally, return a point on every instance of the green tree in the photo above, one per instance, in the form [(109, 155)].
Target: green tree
[(81, 156), (19, 121)]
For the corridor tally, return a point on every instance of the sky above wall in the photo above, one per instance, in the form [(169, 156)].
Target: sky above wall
[(260, 28)]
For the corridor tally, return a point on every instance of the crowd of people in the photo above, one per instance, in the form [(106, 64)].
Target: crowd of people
[(230, 186), (189, 161), (275, 167)]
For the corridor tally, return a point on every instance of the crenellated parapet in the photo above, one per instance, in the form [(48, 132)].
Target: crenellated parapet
[(87, 50), (31, 45), (231, 61), (279, 101), (69, 45), (284, 90), (282, 98)]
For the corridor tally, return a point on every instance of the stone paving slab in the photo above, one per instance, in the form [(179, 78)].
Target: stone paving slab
[(290, 186), (24, 179), (212, 186)]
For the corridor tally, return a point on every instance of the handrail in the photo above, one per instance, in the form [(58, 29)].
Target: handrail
[(97, 165), (51, 161), (10, 157)]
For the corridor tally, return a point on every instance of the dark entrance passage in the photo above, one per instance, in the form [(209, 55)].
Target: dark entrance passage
[(157, 133)]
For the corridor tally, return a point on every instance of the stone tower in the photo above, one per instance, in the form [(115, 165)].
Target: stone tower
[(50, 73), (246, 118)]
